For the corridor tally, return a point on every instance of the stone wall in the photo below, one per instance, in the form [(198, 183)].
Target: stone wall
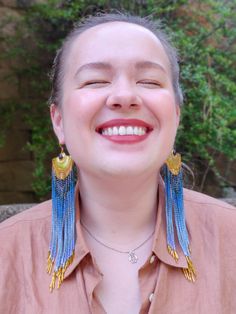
[(6, 211), (16, 167)]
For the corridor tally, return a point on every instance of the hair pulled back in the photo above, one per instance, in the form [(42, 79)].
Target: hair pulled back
[(58, 70)]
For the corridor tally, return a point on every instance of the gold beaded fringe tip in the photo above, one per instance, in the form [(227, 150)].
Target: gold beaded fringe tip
[(173, 253), (57, 276), (189, 272)]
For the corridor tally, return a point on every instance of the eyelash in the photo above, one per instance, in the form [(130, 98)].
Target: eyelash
[(150, 83), (95, 82)]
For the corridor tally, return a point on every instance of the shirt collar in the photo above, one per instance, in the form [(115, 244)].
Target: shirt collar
[(159, 244)]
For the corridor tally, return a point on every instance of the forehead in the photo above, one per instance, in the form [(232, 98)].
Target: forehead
[(116, 41)]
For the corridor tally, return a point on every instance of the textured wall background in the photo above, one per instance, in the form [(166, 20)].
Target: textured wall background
[(16, 163)]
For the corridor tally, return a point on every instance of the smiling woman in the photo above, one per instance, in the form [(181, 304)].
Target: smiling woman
[(119, 241)]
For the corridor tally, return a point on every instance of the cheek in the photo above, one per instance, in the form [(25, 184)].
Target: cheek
[(82, 106), (164, 108)]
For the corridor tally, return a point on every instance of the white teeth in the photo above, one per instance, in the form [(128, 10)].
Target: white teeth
[(115, 130), (124, 130), (141, 131), (110, 131), (129, 130), (136, 130), (105, 131)]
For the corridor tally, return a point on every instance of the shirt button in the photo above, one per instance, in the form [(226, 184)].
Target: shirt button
[(151, 297), (152, 259)]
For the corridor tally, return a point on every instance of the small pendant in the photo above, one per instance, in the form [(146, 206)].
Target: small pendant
[(133, 258)]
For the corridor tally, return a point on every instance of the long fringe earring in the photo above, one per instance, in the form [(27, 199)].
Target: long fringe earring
[(62, 245), (175, 209)]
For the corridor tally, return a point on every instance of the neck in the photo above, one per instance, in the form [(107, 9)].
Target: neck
[(120, 212)]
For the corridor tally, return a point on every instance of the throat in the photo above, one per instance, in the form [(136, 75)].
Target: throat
[(117, 217), (131, 252)]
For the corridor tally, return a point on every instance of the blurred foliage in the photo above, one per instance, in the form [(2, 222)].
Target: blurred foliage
[(204, 33)]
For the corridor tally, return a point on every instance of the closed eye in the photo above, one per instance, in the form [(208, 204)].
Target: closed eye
[(95, 83), (148, 83)]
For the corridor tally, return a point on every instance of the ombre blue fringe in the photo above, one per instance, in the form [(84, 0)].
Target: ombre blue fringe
[(175, 208), (62, 243)]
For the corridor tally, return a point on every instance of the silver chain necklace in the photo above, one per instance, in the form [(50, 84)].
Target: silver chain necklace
[(132, 256)]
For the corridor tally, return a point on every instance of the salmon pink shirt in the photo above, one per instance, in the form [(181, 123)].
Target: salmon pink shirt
[(24, 283)]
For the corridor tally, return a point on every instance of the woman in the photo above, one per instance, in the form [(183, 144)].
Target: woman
[(115, 106)]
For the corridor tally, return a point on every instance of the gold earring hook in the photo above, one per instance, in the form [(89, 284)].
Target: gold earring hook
[(61, 155)]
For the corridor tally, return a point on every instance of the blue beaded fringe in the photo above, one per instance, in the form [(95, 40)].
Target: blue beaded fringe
[(175, 208), (62, 245)]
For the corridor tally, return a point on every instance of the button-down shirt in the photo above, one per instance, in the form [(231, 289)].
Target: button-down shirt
[(24, 283)]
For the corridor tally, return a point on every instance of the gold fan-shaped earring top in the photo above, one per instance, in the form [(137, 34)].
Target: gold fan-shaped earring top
[(62, 165), (174, 163)]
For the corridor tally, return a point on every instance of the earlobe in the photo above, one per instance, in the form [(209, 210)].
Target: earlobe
[(57, 122)]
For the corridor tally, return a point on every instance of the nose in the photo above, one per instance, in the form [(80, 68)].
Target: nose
[(124, 97)]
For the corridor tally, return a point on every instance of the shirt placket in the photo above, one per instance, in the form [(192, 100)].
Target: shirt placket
[(147, 282), (93, 277)]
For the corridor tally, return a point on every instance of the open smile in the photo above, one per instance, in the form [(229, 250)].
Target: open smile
[(125, 130)]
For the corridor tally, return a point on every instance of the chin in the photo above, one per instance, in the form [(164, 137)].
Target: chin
[(128, 170)]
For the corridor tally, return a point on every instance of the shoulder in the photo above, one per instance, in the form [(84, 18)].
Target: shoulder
[(37, 212), (200, 198), (206, 206), (212, 230), (210, 220), (24, 240), (29, 221)]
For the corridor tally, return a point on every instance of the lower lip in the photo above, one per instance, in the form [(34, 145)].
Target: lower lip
[(126, 139)]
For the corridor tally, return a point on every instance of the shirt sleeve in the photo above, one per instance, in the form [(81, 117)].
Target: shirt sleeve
[(227, 260), (12, 296)]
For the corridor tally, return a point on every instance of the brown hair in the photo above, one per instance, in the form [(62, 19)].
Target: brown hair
[(57, 73)]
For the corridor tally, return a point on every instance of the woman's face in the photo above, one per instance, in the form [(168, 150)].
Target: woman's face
[(118, 113)]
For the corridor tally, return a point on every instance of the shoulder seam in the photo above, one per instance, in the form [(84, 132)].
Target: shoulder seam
[(227, 206)]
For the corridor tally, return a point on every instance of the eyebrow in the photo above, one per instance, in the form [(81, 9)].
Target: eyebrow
[(94, 66), (108, 67), (149, 65)]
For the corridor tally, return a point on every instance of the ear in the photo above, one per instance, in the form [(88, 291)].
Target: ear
[(57, 122)]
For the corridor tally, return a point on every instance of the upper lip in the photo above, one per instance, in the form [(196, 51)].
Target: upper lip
[(124, 122)]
